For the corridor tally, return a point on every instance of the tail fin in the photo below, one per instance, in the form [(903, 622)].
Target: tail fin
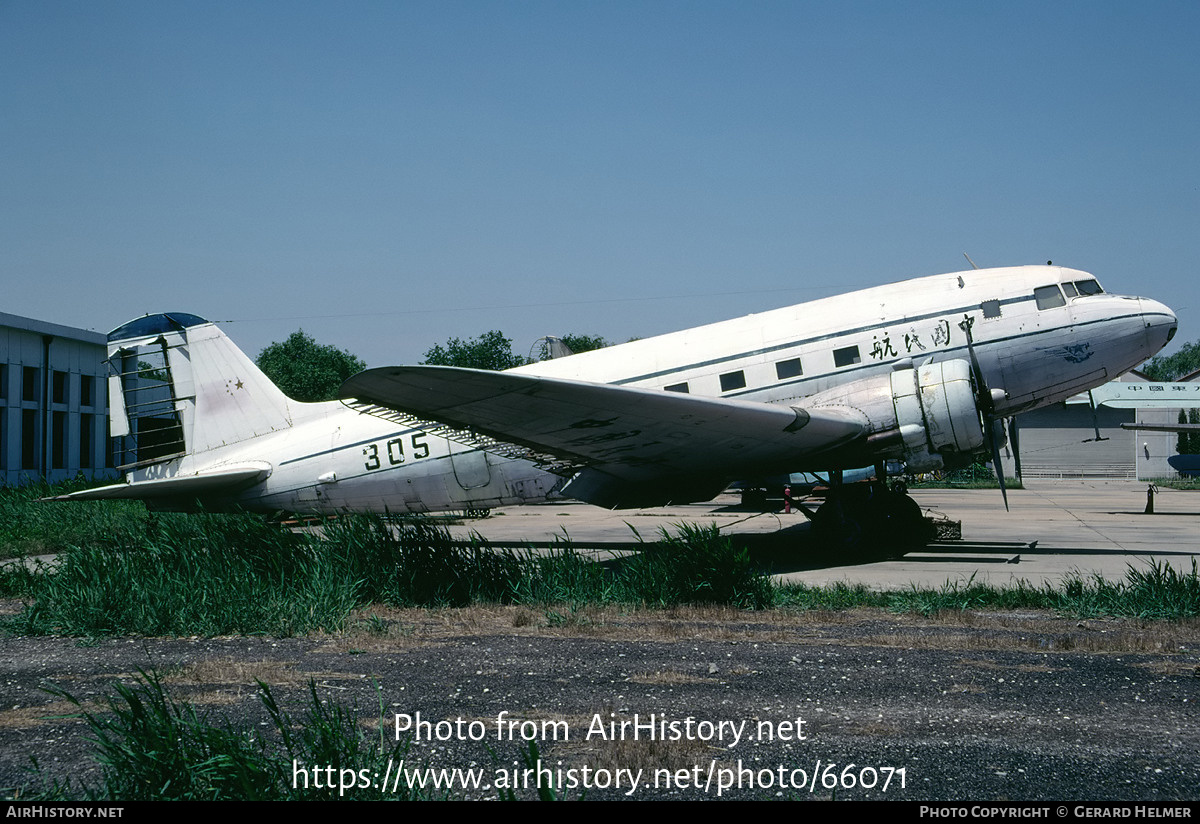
[(179, 387)]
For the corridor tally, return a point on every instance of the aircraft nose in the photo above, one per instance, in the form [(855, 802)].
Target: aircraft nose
[(1161, 323)]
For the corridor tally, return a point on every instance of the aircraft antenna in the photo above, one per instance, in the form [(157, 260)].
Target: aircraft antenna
[(968, 257)]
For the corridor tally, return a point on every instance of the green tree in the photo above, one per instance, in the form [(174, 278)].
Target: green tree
[(1173, 367), (491, 350), (1189, 442), (305, 370)]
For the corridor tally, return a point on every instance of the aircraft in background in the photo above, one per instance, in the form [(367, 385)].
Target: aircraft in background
[(921, 371)]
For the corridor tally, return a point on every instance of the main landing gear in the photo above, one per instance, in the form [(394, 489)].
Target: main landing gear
[(869, 521)]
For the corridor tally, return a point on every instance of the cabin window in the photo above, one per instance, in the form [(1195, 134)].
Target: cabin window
[(846, 357), (1088, 287), (991, 308), (677, 387), (1048, 297), (788, 369), (732, 380)]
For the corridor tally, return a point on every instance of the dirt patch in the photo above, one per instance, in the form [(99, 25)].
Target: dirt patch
[(1025, 707)]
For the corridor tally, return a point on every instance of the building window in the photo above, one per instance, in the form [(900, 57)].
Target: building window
[(1048, 297), (58, 445), (87, 429), (29, 450), (846, 357), (677, 387), (87, 388), (732, 380), (788, 369), (29, 384), (3, 380), (59, 390)]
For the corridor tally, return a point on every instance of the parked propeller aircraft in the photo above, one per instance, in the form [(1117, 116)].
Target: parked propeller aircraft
[(921, 371)]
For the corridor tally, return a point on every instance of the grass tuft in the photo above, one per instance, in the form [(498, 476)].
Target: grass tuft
[(153, 748)]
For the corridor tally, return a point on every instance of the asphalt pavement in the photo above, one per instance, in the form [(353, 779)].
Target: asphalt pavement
[(1052, 529)]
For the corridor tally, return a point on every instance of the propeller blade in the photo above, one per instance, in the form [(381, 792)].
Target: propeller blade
[(987, 406), (998, 468), (1014, 440)]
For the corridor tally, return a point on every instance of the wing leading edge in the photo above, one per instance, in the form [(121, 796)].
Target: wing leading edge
[(631, 447)]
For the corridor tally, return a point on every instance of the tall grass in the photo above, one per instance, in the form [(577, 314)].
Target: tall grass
[(30, 527), (695, 565), (195, 575), (1154, 591), (221, 574)]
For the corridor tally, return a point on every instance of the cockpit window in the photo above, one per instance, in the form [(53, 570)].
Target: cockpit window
[(1069, 290), (1048, 297), (1088, 287)]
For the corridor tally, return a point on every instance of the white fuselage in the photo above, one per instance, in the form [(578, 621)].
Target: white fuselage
[(1034, 342), (337, 460), (1037, 356)]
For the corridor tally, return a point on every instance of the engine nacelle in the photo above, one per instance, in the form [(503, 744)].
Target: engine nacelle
[(926, 416), (936, 412)]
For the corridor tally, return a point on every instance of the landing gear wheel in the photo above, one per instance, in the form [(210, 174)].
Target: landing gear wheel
[(906, 524), (870, 524), (836, 528)]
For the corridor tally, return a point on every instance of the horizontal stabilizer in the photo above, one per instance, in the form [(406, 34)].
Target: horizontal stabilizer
[(218, 481)]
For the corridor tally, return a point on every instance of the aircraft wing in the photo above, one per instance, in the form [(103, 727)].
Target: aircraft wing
[(226, 479), (1162, 427), (625, 441)]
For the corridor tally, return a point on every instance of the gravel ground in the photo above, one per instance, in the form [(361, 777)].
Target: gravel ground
[(968, 707)]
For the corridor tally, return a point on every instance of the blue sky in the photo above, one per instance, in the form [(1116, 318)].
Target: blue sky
[(388, 175)]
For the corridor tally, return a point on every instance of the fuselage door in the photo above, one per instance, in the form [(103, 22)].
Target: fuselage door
[(471, 468)]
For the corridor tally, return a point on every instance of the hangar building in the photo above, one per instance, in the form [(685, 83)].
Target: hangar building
[(53, 402), (1060, 440)]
